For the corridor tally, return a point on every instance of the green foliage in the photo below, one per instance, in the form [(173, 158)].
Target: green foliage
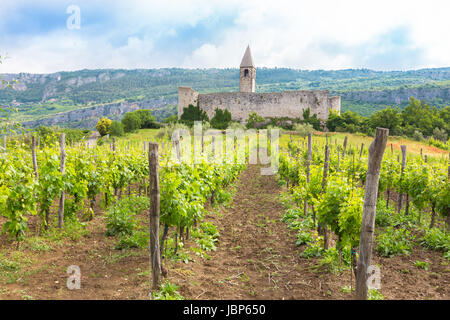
[(389, 118), (383, 217), (221, 119), (314, 249), (422, 265), (138, 239), (168, 291), (103, 125), (373, 294), (395, 242), (331, 261), (131, 122), (303, 129), (116, 129), (193, 113), (206, 236), (417, 135), (254, 120), (304, 237), (312, 120), (121, 218), (436, 239), (171, 119)]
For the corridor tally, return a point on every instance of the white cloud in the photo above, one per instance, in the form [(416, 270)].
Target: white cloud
[(300, 34)]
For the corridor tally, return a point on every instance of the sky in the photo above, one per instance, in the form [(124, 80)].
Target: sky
[(45, 36)]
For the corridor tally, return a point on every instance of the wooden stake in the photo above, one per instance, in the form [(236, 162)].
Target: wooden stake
[(63, 171), (376, 152), (155, 259), (33, 156), (324, 184), (345, 148), (308, 166), (400, 195)]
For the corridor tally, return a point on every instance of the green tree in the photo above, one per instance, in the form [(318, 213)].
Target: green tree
[(334, 120), (253, 120), (221, 119), (171, 119), (116, 129), (313, 120), (103, 126), (131, 122), (389, 118), (147, 119), (418, 115), (193, 113)]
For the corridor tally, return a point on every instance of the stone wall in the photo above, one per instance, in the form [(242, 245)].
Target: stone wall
[(275, 104), (186, 96)]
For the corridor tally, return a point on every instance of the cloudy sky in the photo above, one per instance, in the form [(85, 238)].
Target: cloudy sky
[(38, 36)]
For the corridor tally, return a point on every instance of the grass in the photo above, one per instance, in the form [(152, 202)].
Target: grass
[(355, 140)]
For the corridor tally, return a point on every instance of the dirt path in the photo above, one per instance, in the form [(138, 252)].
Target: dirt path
[(257, 258)]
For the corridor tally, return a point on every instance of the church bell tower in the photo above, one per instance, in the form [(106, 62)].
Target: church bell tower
[(247, 73)]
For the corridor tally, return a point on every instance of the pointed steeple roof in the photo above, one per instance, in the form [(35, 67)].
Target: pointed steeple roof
[(247, 60)]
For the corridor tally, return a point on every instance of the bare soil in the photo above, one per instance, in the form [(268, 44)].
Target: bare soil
[(256, 258)]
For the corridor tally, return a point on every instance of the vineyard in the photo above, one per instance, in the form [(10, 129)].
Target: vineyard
[(226, 232)]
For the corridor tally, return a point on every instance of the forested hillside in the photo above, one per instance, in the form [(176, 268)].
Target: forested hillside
[(38, 96)]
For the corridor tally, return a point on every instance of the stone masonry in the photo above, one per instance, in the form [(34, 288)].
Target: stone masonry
[(289, 104)]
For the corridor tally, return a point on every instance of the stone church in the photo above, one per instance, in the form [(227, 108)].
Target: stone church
[(268, 104)]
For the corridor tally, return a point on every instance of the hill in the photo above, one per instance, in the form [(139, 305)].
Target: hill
[(42, 96)]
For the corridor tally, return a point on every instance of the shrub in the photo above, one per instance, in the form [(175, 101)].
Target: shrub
[(383, 217), (436, 239), (236, 126), (253, 120), (303, 129), (440, 134), (103, 125), (221, 119), (417, 135), (314, 249), (116, 129), (120, 219), (394, 242), (193, 113), (138, 239), (168, 291), (131, 122), (422, 264)]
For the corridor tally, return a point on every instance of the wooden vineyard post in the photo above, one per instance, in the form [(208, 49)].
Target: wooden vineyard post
[(376, 152), (345, 148), (400, 195), (324, 184), (33, 157), (4, 143), (308, 167), (421, 153), (362, 148), (155, 259), (426, 158), (63, 171), (392, 149), (339, 158)]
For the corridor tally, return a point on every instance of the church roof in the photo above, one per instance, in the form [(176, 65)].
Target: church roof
[(247, 60)]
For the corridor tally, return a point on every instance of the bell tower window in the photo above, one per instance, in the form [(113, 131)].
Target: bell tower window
[(246, 73)]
